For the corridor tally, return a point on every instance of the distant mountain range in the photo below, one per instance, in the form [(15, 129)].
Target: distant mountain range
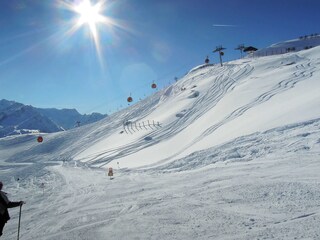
[(17, 118)]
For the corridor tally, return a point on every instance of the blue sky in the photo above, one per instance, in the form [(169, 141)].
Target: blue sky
[(44, 65)]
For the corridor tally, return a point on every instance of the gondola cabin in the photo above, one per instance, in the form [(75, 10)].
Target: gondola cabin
[(129, 99), (40, 139), (153, 85)]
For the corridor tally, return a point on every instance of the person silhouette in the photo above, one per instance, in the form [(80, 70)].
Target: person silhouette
[(4, 205)]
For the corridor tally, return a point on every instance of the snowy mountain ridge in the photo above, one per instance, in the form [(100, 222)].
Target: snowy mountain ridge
[(70, 118), (17, 118)]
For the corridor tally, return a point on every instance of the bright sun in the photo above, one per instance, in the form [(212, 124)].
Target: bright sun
[(89, 14)]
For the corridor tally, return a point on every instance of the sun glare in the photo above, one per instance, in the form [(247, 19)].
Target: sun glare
[(91, 13), (88, 14)]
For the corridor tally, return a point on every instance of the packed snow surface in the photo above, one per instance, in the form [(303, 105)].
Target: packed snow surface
[(228, 152)]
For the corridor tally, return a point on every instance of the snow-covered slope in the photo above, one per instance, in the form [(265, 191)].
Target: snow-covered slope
[(294, 45), (218, 104), (227, 152)]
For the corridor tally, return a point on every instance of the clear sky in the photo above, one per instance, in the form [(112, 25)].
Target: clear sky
[(53, 55)]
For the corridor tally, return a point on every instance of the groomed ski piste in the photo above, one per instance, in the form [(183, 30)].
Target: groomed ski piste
[(228, 152)]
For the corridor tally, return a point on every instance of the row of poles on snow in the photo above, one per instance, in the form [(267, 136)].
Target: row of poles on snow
[(131, 127)]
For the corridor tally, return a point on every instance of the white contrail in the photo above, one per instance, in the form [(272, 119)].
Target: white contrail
[(223, 25)]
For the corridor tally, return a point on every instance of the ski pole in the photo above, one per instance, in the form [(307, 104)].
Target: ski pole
[(19, 222)]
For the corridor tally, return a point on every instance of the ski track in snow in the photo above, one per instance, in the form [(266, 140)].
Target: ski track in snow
[(223, 81), (304, 72), (279, 88)]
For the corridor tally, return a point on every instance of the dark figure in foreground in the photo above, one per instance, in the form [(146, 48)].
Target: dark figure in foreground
[(4, 205)]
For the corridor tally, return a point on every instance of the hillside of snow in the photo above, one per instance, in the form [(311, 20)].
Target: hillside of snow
[(294, 45), (228, 152)]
